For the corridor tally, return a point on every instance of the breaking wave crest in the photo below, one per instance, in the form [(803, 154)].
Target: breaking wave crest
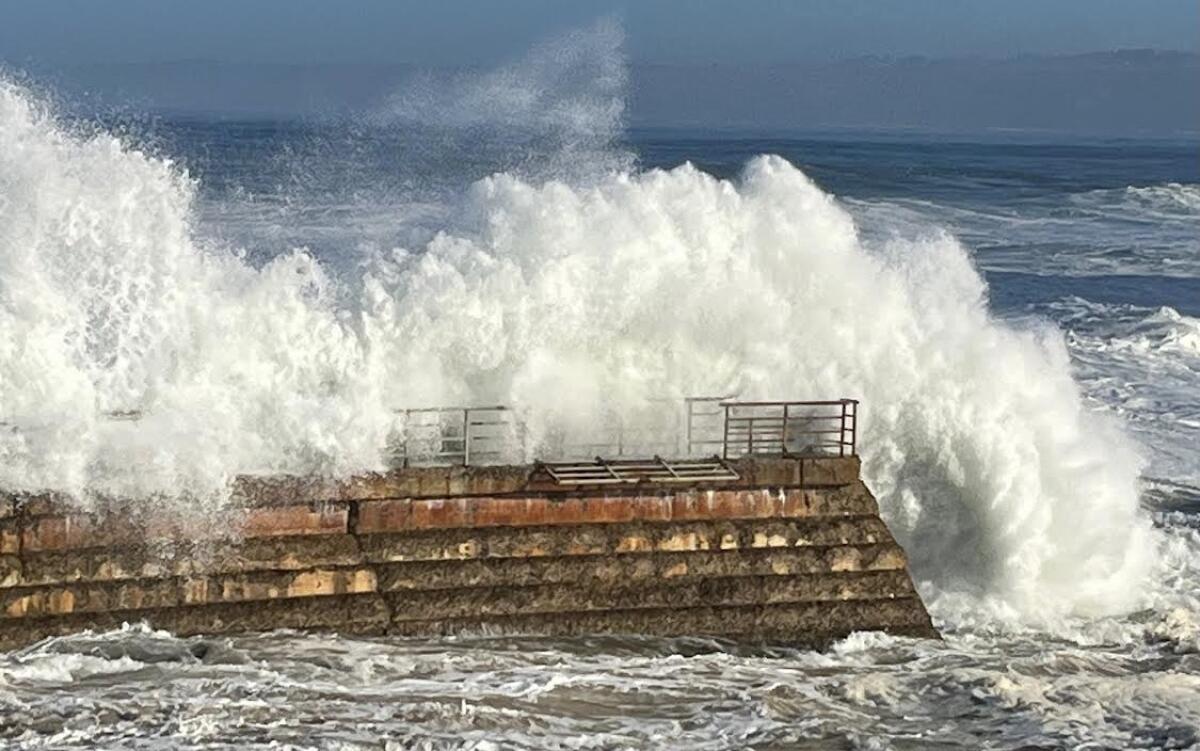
[(559, 299), (1163, 202), (1167, 198)]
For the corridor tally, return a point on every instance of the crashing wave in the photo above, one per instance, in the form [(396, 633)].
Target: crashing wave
[(560, 299)]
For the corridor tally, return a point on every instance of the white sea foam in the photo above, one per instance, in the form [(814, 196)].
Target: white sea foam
[(559, 299), (1142, 364), (63, 668), (1144, 230)]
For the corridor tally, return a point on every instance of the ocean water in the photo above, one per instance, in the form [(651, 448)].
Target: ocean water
[(1020, 316)]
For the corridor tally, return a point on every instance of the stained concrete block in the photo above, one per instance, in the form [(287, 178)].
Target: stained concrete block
[(11, 570), (829, 471), (10, 536), (376, 517), (281, 521), (76, 531)]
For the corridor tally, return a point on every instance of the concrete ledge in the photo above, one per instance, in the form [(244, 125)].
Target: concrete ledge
[(612, 570), (400, 515), (94, 597), (434, 482), (809, 624), (150, 562), (43, 568), (441, 482), (75, 531), (354, 614), (639, 538), (805, 624), (504, 601), (666, 590), (19, 536)]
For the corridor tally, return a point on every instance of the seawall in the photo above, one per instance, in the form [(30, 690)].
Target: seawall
[(791, 550)]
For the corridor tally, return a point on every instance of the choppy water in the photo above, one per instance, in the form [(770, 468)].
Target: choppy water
[(991, 302), (139, 689)]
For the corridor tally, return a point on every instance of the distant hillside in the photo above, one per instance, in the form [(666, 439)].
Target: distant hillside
[(1113, 93), (1126, 93)]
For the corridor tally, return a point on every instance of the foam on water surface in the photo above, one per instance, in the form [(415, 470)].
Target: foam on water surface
[(296, 691)]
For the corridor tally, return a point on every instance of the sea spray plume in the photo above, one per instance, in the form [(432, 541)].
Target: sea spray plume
[(555, 112), (672, 283), (108, 305), (366, 182)]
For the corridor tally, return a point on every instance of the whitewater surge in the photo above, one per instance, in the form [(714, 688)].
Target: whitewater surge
[(1144, 230), (563, 300), (135, 688), (1142, 364)]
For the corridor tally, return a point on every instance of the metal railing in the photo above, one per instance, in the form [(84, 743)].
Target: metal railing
[(790, 428), (705, 427), (457, 435)]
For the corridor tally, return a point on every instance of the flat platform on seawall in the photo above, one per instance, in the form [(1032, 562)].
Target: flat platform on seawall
[(784, 549)]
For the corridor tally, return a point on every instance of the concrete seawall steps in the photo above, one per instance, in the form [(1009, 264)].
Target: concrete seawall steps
[(792, 551)]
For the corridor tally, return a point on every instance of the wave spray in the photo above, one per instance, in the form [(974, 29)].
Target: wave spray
[(560, 297)]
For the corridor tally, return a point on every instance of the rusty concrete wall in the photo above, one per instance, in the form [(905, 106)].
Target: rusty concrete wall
[(793, 551)]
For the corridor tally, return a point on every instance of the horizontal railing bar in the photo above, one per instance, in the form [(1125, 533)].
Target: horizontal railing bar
[(608, 479), (430, 410), (632, 464), (778, 429), (816, 403)]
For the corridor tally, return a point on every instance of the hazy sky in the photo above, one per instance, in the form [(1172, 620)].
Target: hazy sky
[(474, 32)]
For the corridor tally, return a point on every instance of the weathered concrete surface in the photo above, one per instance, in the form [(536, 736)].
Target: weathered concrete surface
[(436, 482), (792, 551)]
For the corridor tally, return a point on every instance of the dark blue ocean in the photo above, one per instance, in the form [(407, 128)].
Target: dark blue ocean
[(1089, 256)]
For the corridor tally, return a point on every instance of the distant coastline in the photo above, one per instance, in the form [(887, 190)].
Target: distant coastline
[(1129, 93)]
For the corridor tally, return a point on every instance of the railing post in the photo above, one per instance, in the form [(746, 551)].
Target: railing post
[(783, 449), (854, 429), (688, 427), (842, 435), (466, 437), (725, 436), (519, 432), (407, 435)]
